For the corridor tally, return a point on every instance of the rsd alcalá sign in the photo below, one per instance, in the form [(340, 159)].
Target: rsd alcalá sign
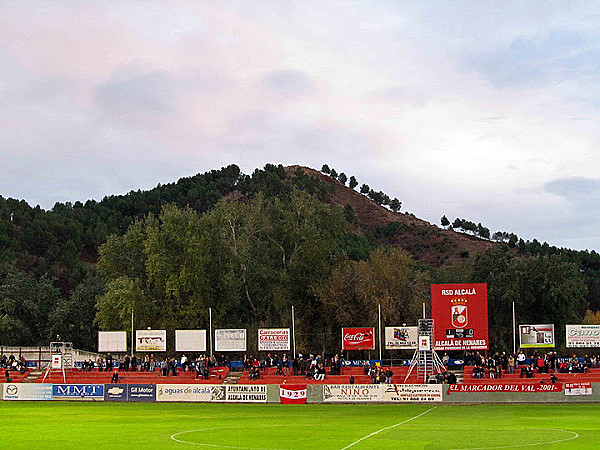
[(78, 391), (460, 313)]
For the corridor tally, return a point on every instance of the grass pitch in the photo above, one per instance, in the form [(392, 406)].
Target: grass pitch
[(273, 426)]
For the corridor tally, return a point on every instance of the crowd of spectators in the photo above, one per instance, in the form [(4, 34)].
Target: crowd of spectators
[(11, 363), (309, 366), (165, 366)]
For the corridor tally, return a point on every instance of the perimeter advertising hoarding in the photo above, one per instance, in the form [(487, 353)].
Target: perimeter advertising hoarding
[(115, 392), (190, 340), (583, 336), (230, 340), (352, 393), (78, 391), (536, 336), (151, 340), (112, 341), (401, 338), (183, 393), (290, 394), (578, 389), (141, 392), (460, 316), (246, 393), (27, 391), (358, 338), (506, 387), (273, 339), (412, 392)]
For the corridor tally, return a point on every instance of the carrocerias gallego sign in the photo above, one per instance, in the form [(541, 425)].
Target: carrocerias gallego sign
[(460, 315)]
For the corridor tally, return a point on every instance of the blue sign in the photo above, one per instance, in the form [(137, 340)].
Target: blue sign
[(360, 362), (78, 391), (141, 392), (115, 392)]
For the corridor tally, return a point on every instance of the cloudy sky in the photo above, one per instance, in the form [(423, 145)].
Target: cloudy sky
[(487, 111)]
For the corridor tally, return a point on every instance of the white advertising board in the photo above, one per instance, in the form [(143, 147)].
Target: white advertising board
[(112, 341), (401, 338), (230, 340), (190, 340), (273, 339), (578, 388), (583, 336), (246, 393), (412, 392), (183, 393), (536, 336), (151, 340), (352, 393), (27, 391)]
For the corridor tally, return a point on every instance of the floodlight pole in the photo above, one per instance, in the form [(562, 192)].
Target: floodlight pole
[(210, 330), (132, 341), (293, 332), (379, 327), (514, 329)]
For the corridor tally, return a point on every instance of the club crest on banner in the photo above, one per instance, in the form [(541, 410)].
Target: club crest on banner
[(458, 310)]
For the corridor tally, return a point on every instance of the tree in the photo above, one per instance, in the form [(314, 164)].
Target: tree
[(591, 318), (365, 189), (353, 183), (325, 169), (444, 221), (545, 289), (73, 317), (388, 279), (342, 178), (333, 174), (395, 205)]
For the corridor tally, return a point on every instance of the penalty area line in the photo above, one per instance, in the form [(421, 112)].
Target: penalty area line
[(388, 428)]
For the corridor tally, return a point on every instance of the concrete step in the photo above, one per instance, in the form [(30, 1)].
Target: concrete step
[(232, 378)]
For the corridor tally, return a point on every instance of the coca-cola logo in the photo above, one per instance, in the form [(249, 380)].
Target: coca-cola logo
[(358, 337)]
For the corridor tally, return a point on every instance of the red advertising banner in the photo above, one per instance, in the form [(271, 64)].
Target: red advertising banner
[(505, 387), (290, 394), (460, 316), (358, 338)]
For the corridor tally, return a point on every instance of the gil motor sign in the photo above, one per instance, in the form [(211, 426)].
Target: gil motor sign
[(358, 338), (460, 316)]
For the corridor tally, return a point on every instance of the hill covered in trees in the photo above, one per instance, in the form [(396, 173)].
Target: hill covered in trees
[(249, 247)]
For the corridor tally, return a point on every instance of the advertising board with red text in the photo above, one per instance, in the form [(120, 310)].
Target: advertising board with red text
[(460, 316)]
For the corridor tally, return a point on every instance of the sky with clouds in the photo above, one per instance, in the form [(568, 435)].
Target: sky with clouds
[(487, 110)]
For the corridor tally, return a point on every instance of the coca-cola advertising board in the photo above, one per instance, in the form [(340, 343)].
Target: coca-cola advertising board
[(460, 316), (358, 338)]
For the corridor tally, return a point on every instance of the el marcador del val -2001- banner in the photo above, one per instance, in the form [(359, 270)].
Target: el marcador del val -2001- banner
[(460, 315)]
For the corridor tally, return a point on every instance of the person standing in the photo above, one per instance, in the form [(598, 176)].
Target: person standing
[(511, 364)]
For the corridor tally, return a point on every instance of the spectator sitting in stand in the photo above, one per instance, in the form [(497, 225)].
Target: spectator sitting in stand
[(115, 377)]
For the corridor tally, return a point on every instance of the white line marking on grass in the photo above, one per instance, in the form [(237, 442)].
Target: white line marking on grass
[(388, 428), (575, 436), (174, 437)]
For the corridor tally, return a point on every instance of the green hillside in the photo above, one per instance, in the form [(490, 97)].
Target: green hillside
[(249, 247)]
